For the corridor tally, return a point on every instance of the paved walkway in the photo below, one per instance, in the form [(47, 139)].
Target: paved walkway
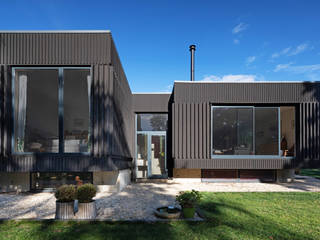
[(137, 201)]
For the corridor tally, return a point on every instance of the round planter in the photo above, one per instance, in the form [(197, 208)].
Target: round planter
[(86, 210), (188, 212), (64, 210), (162, 212)]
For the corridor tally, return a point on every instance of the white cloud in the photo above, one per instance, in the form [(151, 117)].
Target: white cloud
[(169, 88), (280, 67), (312, 71), (236, 41), (230, 78), (239, 28), (289, 51), (250, 60), (299, 49)]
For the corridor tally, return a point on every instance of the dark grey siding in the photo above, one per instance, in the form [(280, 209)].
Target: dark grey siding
[(123, 119), (309, 135), (111, 97), (279, 92), (191, 121), (55, 48), (148, 102)]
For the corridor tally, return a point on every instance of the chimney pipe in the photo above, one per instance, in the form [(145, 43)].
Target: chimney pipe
[(192, 50)]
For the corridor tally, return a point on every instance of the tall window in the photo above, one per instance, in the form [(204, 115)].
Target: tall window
[(51, 110), (245, 131)]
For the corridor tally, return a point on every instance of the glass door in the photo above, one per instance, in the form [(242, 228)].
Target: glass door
[(157, 158), (151, 155), (142, 155)]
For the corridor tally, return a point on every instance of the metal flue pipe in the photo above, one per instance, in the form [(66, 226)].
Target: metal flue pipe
[(192, 49)]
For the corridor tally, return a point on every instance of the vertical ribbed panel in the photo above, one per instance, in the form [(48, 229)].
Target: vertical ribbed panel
[(55, 48), (309, 133), (191, 125), (246, 92), (102, 110), (1, 108)]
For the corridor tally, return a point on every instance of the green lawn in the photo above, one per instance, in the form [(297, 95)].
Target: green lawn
[(311, 172), (230, 216)]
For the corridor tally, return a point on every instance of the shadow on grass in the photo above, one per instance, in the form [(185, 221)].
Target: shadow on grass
[(229, 217)]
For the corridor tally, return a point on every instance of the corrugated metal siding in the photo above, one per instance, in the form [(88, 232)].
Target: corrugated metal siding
[(61, 163), (191, 121), (309, 135), (247, 92), (5, 108), (55, 48), (112, 117), (151, 102), (279, 163), (191, 130), (123, 117)]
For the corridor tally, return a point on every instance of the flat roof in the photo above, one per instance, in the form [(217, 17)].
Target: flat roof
[(151, 93), (55, 31), (178, 81)]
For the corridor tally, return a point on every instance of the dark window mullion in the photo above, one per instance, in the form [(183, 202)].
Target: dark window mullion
[(61, 133)]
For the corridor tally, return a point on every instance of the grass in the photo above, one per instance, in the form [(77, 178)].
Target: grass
[(230, 216), (311, 172)]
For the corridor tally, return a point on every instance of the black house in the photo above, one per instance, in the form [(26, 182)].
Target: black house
[(67, 110)]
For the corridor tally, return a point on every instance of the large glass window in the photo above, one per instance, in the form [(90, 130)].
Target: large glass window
[(232, 131), (76, 119), (152, 122), (36, 111), (42, 98), (266, 131), (245, 131)]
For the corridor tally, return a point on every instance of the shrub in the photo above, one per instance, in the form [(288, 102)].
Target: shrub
[(86, 192), (66, 193), (188, 199)]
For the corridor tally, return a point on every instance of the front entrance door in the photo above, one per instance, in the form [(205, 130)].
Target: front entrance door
[(151, 155)]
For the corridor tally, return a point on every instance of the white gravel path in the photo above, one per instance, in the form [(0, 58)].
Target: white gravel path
[(137, 201)]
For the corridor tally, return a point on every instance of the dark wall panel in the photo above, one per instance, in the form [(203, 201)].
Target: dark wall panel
[(309, 135), (55, 48), (246, 92), (59, 163), (112, 116), (191, 121), (147, 102), (191, 130), (278, 163)]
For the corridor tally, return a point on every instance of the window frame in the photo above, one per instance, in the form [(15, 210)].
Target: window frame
[(60, 110), (216, 156)]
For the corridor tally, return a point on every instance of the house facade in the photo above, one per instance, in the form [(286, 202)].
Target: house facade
[(67, 110)]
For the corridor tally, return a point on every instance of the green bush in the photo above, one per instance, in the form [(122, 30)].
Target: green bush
[(188, 199), (66, 193), (86, 192)]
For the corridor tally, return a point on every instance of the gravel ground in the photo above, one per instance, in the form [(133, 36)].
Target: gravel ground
[(138, 201)]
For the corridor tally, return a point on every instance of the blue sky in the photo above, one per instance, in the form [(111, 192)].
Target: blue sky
[(236, 40)]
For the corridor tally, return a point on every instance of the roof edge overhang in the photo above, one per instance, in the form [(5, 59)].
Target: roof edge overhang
[(55, 31), (255, 82)]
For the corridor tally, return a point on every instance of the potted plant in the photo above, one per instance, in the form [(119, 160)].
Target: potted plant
[(65, 195), (188, 201), (86, 206)]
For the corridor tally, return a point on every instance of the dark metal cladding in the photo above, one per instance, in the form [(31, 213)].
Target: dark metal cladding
[(148, 102), (266, 92), (191, 121), (55, 48), (112, 118)]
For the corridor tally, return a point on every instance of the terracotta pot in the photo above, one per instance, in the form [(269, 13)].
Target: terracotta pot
[(64, 210), (86, 210)]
